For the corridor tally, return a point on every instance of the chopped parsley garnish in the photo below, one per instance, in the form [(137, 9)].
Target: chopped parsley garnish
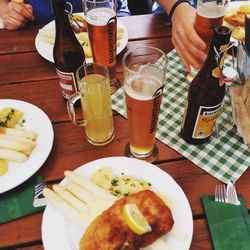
[(114, 182)]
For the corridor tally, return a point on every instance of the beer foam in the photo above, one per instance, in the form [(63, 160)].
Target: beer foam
[(99, 16), (211, 10), (142, 87)]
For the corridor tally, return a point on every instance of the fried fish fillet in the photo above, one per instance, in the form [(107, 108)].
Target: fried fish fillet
[(109, 230)]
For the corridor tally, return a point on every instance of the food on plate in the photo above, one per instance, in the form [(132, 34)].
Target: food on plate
[(31, 135), (48, 35), (18, 144), (244, 8), (135, 220), (110, 230), (118, 185), (15, 144), (9, 117), (11, 155), (85, 203), (88, 185), (238, 33), (66, 208), (236, 18), (3, 167)]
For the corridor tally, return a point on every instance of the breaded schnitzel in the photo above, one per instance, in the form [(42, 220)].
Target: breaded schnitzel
[(109, 230)]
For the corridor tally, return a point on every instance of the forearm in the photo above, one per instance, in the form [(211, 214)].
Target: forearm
[(3, 6)]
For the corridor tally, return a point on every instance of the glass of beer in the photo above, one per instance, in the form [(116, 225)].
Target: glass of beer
[(209, 14), (94, 94), (101, 23), (144, 71)]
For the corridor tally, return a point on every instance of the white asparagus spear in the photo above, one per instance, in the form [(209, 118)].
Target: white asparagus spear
[(16, 145), (90, 186), (71, 199), (18, 132), (80, 193), (11, 155), (69, 211), (18, 138)]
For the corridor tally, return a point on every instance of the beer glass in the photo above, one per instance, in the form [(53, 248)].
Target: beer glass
[(101, 23), (209, 14), (94, 94), (144, 71)]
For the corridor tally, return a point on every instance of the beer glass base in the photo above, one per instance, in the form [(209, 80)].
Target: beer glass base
[(101, 143), (151, 157)]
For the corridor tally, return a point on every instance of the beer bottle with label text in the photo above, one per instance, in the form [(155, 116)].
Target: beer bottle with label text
[(68, 53), (206, 92)]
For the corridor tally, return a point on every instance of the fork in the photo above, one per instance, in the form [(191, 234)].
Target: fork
[(39, 200), (220, 193)]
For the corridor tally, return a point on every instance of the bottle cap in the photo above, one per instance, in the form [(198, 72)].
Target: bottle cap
[(228, 75)]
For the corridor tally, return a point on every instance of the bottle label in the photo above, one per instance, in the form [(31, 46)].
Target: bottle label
[(67, 82), (205, 121)]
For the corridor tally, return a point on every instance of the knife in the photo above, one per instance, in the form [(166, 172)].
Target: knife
[(247, 31), (232, 197)]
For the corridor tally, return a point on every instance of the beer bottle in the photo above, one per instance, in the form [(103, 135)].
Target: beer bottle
[(206, 92), (68, 53)]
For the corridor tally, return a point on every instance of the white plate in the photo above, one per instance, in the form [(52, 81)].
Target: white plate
[(46, 49), (60, 233), (35, 120)]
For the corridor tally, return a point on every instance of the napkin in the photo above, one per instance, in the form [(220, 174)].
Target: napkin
[(19, 201), (229, 224)]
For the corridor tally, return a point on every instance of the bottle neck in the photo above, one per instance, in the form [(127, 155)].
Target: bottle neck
[(221, 36), (61, 17)]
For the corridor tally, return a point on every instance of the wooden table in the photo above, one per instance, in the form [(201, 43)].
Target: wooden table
[(26, 76)]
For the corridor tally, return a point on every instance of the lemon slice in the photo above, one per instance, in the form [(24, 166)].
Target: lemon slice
[(135, 219), (3, 167)]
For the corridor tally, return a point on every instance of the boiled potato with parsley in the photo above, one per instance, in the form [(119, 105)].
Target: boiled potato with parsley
[(9, 117), (118, 185), (102, 177)]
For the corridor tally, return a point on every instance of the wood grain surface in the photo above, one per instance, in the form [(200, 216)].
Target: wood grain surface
[(26, 76)]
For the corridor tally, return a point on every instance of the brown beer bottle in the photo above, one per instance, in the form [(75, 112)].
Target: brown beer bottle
[(206, 92), (68, 53)]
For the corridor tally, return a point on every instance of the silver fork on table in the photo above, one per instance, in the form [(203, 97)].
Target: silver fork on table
[(220, 193), (39, 200)]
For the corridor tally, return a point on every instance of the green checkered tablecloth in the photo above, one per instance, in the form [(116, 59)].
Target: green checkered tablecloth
[(224, 157)]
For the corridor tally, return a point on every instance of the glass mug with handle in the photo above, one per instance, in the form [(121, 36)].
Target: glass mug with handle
[(144, 71), (101, 23), (94, 93)]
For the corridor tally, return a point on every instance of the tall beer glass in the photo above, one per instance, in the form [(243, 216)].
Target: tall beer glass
[(101, 22), (144, 71), (209, 14)]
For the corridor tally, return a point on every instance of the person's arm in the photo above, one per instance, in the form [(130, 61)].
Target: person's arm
[(188, 44), (15, 15)]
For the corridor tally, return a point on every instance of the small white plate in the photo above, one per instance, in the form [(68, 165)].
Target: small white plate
[(35, 120), (46, 49), (60, 233)]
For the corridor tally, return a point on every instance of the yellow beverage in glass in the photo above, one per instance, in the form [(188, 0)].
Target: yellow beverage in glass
[(94, 94), (96, 107)]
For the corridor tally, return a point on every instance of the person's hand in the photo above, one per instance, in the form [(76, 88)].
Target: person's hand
[(188, 44), (16, 15)]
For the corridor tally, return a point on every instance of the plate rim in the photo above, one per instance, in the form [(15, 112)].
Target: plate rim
[(116, 158), (49, 145), (42, 52)]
